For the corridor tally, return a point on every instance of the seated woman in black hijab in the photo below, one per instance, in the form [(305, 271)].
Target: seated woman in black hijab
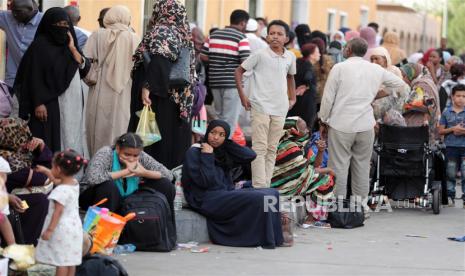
[(235, 217)]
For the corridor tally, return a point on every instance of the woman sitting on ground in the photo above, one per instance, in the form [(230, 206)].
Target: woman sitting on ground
[(116, 172), (235, 217), (299, 170), (23, 152)]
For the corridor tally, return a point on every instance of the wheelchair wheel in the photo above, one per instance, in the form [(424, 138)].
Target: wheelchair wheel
[(436, 201)]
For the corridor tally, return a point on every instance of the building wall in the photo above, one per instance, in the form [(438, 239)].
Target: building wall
[(218, 12), (277, 9), (409, 26), (318, 10), (90, 10)]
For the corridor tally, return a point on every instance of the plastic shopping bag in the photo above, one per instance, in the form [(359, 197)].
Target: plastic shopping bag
[(199, 123), (147, 128), (105, 228)]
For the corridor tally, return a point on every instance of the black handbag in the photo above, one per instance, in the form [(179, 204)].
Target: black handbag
[(346, 214), (180, 72)]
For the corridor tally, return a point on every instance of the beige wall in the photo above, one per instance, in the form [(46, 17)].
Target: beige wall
[(218, 12), (409, 27), (319, 12), (90, 10), (277, 9)]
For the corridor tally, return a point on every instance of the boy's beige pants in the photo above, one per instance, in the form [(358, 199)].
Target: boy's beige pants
[(266, 133)]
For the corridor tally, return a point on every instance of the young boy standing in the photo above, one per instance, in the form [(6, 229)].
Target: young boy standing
[(272, 94), (452, 126)]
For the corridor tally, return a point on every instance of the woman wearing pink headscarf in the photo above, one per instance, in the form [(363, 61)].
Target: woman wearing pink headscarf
[(369, 35), (351, 34)]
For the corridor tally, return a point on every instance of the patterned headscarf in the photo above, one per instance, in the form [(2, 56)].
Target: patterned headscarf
[(168, 32), (412, 70), (14, 134)]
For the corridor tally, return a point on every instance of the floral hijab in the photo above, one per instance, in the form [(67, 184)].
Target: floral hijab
[(14, 134), (169, 32)]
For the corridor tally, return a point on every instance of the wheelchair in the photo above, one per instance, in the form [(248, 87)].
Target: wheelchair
[(405, 168)]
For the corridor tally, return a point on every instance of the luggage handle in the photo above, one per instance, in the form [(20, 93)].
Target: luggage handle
[(129, 216), (100, 202)]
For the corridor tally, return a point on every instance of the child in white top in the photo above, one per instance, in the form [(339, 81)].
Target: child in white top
[(60, 244), (5, 226)]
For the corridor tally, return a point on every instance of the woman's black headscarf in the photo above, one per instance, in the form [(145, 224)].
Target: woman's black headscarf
[(48, 66), (302, 32), (222, 156), (322, 36)]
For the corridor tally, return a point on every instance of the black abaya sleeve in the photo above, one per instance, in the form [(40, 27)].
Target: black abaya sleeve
[(239, 154), (158, 75), (199, 169), (83, 72)]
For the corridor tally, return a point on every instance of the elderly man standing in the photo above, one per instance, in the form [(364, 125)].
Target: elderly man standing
[(75, 16), (347, 116), (20, 26)]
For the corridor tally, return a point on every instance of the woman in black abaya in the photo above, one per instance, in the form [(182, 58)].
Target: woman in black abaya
[(48, 82), (235, 217), (167, 35)]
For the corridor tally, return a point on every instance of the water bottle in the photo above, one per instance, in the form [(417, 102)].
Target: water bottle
[(178, 198), (124, 249)]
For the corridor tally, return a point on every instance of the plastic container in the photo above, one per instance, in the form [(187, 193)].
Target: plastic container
[(124, 249), (178, 198)]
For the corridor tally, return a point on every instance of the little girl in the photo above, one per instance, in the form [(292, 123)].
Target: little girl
[(61, 241)]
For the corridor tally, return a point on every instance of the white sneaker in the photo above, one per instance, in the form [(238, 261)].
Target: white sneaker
[(450, 202)]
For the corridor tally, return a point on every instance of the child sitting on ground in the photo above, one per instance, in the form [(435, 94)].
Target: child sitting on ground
[(61, 240)]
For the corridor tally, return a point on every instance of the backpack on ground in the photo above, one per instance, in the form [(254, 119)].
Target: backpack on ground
[(101, 265), (152, 229)]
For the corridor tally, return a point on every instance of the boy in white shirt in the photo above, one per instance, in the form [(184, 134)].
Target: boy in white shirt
[(272, 94)]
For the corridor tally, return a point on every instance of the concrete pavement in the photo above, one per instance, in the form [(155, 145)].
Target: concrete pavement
[(381, 247)]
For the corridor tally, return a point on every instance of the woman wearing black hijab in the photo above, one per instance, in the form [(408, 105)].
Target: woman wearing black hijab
[(302, 32), (48, 82), (235, 217)]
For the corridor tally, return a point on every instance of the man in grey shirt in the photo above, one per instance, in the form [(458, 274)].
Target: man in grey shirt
[(347, 115), (20, 26)]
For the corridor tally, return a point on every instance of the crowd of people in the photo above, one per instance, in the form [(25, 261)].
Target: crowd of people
[(309, 103)]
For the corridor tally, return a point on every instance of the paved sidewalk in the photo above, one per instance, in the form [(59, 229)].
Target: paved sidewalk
[(381, 247)]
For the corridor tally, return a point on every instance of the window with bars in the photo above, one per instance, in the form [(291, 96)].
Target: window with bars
[(343, 20), (364, 17), (191, 8), (253, 8), (148, 9), (331, 21)]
